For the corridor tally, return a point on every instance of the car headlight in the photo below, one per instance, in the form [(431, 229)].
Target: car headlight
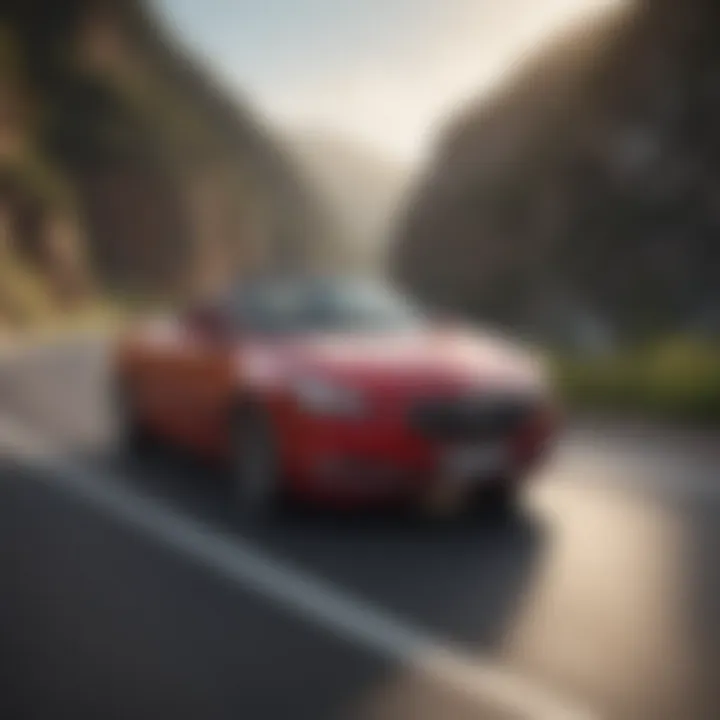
[(321, 397)]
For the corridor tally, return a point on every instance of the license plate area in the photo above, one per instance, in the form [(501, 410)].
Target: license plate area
[(469, 462)]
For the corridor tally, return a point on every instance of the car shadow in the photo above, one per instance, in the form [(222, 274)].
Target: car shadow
[(464, 578)]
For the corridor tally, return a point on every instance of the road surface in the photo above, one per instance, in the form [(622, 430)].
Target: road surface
[(130, 589)]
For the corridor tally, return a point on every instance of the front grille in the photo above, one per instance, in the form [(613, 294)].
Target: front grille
[(469, 418)]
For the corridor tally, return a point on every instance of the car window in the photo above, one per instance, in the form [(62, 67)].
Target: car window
[(322, 306)]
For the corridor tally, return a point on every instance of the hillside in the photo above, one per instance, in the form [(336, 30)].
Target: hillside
[(125, 168), (581, 197)]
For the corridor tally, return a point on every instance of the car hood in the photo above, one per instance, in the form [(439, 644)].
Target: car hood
[(432, 359)]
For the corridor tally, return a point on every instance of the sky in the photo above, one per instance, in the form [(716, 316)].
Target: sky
[(383, 73)]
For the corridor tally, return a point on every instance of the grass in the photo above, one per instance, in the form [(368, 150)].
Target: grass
[(28, 309), (24, 299), (96, 320), (677, 379)]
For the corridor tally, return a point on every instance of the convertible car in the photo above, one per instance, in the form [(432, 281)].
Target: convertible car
[(339, 391)]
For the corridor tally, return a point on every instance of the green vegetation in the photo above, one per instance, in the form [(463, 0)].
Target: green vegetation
[(677, 378), (24, 298)]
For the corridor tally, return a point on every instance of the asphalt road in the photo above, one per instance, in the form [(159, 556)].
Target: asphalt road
[(130, 590)]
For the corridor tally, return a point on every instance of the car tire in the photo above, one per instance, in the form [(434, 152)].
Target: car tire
[(499, 501), (134, 436), (255, 465)]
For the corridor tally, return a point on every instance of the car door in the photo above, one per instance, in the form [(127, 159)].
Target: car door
[(154, 384)]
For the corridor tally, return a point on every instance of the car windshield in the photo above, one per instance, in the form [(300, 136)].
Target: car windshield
[(280, 307)]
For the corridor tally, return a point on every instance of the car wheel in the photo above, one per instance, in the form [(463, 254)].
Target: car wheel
[(255, 463), (133, 434), (499, 500)]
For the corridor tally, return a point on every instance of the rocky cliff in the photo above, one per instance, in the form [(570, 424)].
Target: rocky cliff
[(584, 193), (125, 167)]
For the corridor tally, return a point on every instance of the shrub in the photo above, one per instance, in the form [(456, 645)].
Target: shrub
[(677, 378)]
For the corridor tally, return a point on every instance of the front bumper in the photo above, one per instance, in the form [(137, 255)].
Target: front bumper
[(356, 461)]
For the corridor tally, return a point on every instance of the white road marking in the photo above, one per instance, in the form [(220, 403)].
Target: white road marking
[(318, 601)]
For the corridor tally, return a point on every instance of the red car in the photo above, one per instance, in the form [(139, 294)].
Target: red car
[(340, 391)]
